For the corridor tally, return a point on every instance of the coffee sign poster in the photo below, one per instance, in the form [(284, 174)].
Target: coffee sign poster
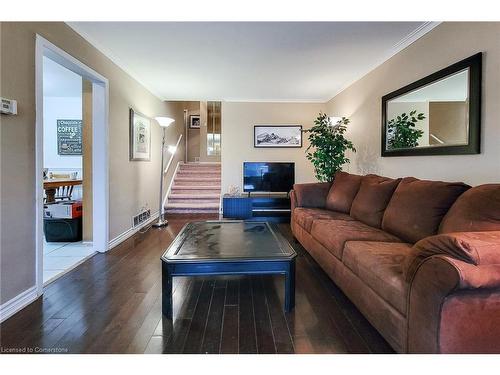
[(69, 137)]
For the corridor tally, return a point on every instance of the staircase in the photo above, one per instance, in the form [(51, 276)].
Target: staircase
[(196, 189)]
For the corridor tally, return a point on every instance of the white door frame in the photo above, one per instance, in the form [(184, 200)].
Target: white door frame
[(100, 161)]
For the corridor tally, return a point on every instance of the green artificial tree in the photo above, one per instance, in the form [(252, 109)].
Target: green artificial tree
[(401, 132), (328, 146)]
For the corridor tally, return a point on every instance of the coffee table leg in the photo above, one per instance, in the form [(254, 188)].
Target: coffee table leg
[(290, 286), (166, 293)]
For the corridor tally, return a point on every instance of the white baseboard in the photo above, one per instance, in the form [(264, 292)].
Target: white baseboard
[(130, 232), (17, 303)]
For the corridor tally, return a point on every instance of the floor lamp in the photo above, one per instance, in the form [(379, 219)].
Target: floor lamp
[(164, 122)]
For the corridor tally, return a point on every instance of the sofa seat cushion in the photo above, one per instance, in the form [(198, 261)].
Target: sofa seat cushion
[(381, 266), (373, 196), (418, 206), (305, 216), (333, 234), (344, 188)]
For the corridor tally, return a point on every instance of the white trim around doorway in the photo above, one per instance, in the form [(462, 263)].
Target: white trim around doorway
[(100, 164)]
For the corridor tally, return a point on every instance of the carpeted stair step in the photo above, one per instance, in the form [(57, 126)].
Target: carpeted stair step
[(200, 166), (193, 196), (194, 201), (194, 190), (198, 171), (198, 175), (211, 181), (193, 206)]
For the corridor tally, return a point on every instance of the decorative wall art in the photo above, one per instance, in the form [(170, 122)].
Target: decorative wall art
[(277, 136), (69, 137), (140, 137), (194, 121)]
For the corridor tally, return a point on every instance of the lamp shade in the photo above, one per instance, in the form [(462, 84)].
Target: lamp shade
[(164, 121)]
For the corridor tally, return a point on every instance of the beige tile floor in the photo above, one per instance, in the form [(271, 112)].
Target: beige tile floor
[(60, 257)]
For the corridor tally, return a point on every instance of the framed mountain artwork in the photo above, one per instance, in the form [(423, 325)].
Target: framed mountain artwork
[(277, 136)]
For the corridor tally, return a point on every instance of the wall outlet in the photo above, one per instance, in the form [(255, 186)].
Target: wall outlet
[(141, 217)]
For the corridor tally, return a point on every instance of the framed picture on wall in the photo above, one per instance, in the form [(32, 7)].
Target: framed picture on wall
[(277, 136), (140, 137), (69, 137), (194, 121)]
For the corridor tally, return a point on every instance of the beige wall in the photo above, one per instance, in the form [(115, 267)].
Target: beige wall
[(132, 184), (193, 135), (448, 122), (443, 46), (238, 120)]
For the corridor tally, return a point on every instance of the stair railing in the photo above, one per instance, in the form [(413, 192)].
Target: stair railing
[(165, 171)]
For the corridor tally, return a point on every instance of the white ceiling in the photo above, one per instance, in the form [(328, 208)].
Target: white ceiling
[(274, 61)]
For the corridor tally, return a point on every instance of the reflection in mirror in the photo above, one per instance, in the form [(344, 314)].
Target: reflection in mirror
[(434, 115), (213, 128)]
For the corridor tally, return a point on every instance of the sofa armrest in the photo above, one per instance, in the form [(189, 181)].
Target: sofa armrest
[(312, 195), (454, 307), (293, 200)]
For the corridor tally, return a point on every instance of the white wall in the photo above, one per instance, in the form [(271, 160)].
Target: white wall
[(238, 120), (59, 108)]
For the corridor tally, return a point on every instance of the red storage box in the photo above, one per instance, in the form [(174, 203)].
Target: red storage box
[(64, 210)]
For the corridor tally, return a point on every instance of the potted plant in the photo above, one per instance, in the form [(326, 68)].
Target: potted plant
[(401, 132), (328, 146)]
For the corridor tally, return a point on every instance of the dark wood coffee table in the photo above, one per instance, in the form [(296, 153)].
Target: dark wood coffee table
[(208, 248)]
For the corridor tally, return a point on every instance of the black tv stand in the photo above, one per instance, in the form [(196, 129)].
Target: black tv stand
[(258, 206)]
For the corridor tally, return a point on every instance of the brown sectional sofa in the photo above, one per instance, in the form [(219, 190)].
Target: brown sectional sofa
[(420, 259)]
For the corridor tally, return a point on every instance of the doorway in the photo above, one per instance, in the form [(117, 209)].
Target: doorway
[(71, 162), (66, 145)]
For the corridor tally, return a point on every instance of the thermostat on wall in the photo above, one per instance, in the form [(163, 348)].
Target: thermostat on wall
[(8, 106)]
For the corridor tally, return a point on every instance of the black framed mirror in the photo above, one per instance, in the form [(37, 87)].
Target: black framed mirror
[(436, 115)]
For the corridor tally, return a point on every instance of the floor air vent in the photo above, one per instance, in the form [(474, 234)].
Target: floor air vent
[(142, 217)]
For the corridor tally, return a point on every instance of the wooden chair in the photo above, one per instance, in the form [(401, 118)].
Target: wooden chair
[(63, 192)]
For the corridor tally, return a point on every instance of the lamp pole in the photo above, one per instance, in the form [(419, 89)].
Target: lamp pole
[(161, 221)]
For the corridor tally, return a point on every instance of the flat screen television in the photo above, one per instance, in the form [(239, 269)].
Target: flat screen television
[(268, 177)]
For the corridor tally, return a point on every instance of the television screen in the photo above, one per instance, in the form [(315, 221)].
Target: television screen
[(268, 177)]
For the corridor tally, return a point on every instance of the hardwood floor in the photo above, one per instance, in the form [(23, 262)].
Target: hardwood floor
[(112, 304)]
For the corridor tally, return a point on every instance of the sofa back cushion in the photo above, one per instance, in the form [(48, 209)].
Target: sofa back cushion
[(344, 188), (418, 206), (478, 209), (374, 194)]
